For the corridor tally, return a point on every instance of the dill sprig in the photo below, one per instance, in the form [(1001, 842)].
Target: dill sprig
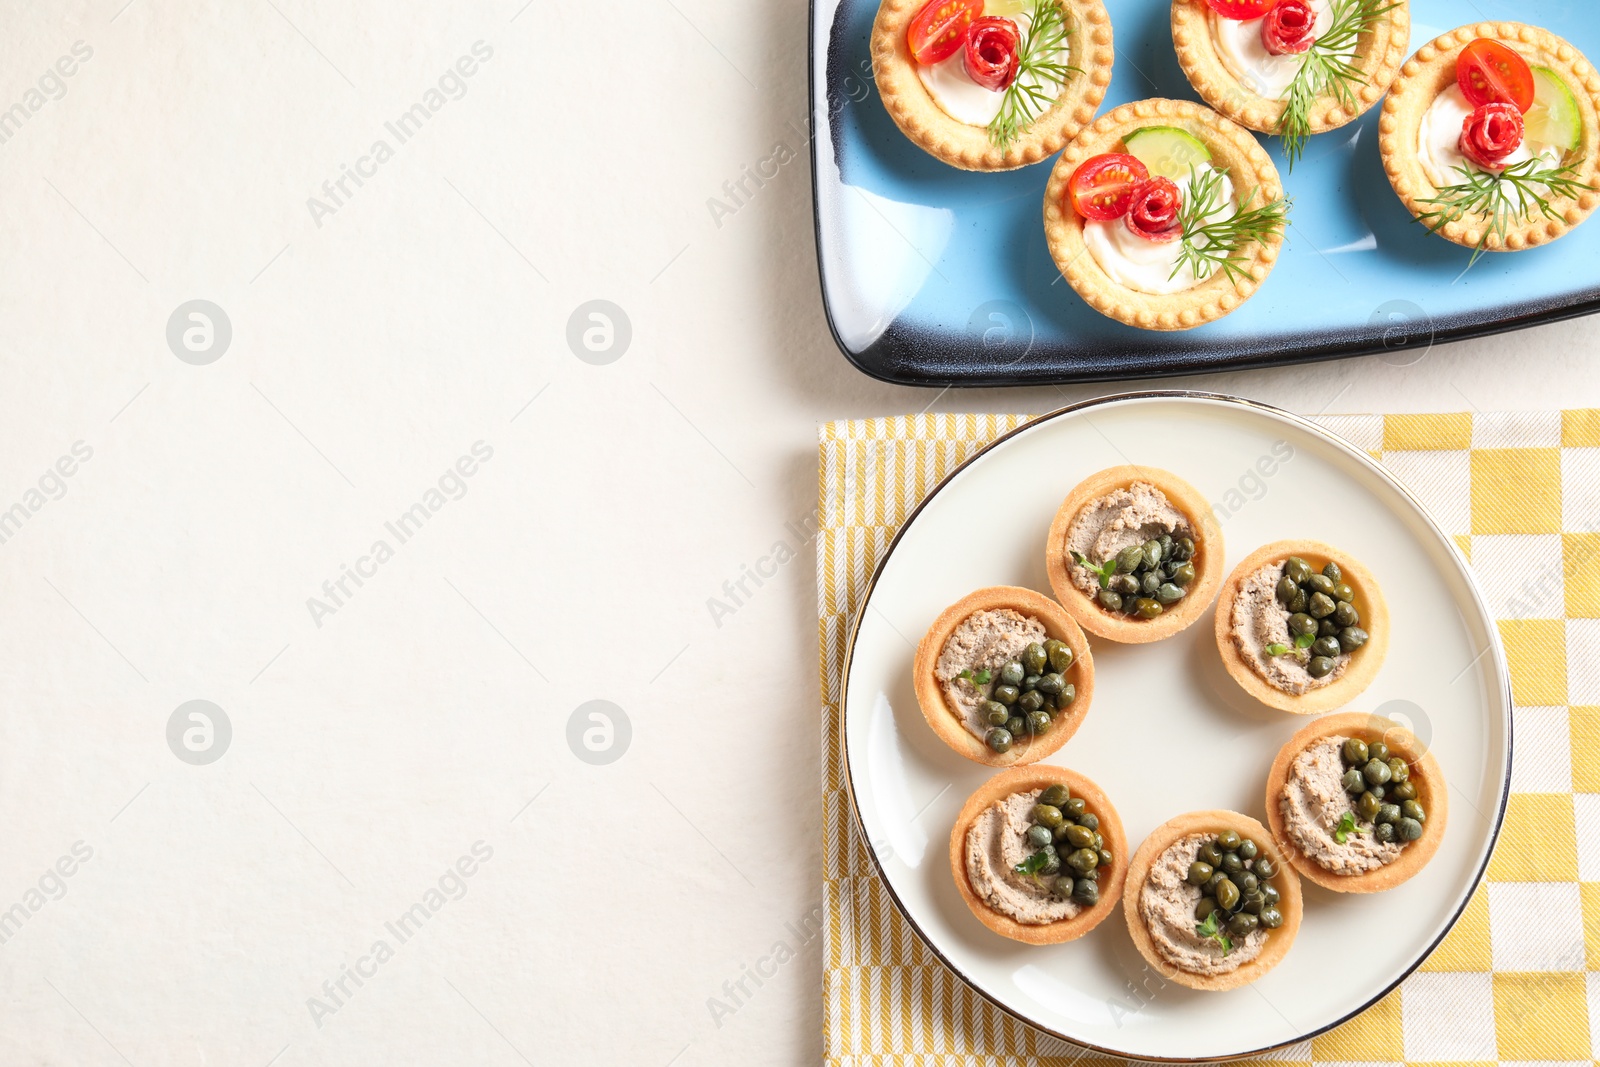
[(1207, 246), (1026, 98), (1512, 195), (1328, 71)]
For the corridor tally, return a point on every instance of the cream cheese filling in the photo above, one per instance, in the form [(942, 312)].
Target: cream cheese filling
[(1151, 266), (1439, 142), (1245, 56)]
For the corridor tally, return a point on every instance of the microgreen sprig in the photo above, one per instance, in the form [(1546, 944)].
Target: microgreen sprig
[(1330, 69), (1211, 930), (1301, 641), (1207, 246), (1103, 571), (1512, 195), (1347, 826), (1033, 864), (976, 677), (1029, 96)]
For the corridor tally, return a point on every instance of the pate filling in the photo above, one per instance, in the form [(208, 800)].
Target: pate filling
[(1166, 906), (1153, 267), (1244, 55), (1260, 619), (1313, 804), (1120, 519), (1439, 142), (996, 843), (983, 641)]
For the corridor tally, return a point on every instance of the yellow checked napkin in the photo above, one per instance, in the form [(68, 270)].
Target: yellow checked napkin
[(1517, 980)]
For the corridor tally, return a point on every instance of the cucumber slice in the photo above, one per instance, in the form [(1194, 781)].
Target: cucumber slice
[(1166, 151), (1554, 117), (1008, 8)]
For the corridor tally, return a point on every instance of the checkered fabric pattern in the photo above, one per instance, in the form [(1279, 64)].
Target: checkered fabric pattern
[(1516, 981)]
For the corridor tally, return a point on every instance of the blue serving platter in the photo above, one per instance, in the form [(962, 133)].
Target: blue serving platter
[(935, 276)]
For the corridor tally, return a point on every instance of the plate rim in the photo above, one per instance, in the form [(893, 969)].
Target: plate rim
[(1502, 674), (1315, 348)]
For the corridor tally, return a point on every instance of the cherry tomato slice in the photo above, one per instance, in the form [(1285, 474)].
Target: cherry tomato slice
[(1242, 10), (939, 30), (1103, 186), (1489, 73)]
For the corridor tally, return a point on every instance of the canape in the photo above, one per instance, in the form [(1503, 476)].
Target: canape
[(1039, 855), (1134, 554)]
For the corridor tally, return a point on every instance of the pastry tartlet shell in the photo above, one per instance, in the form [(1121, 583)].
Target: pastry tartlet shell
[(1379, 54), (1290, 902), (1431, 71), (1364, 662), (1208, 557), (945, 721), (1432, 794), (1232, 147), (1023, 780), (921, 118)]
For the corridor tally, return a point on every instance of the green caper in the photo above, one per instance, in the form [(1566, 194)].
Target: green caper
[(1412, 810), (1286, 589), (1203, 910), (1320, 606), (1109, 599), (1068, 694), (1152, 553), (1084, 860), (1060, 655), (1184, 547), (1388, 813), (1343, 593), (1378, 751), (1320, 666), (1301, 623), (1126, 584), (1379, 791), (1345, 615), (1030, 701), (1055, 795), (1355, 751), (1080, 836), (1231, 863), (1183, 574), (998, 739), (1017, 725), (994, 712), (1269, 896), (1211, 853), (1253, 902), (1320, 583), (1298, 604), (1086, 892), (1011, 674), (1248, 849), (1076, 807), (1326, 647), (1264, 869), (1059, 834), (1353, 782), (1149, 582), (1227, 895), (1039, 836), (1039, 722), (1404, 791), (1051, 684), (1168, 593), (1297, 569), (1352, 638), (1408, 829), (1099, 841), (1052, 861), (1147, 607), (1200, 873), (1165, 541), (1089, 821), (1129, 559), (1270, 918), (1327, 627), (1383, 833), (1331, 571), (1399, 769), (1216, 880), (1062, 889), (1376, 771), (1047, 815), (1034, 660), (1247, 882), (1106, 857), (1228, 840), (1006, 694), (1241, 924), (1367, 807)]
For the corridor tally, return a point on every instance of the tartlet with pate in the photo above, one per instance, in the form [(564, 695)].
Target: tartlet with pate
[(1491, 136), (1164, 215), (1134, 554), (1302, 626), (1210, 900), (1039, 855), (1356, 803), (1295, 68), (991, 84), (1004, 676)]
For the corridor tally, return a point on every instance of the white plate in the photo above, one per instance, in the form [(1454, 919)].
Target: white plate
[(1165, 715)]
